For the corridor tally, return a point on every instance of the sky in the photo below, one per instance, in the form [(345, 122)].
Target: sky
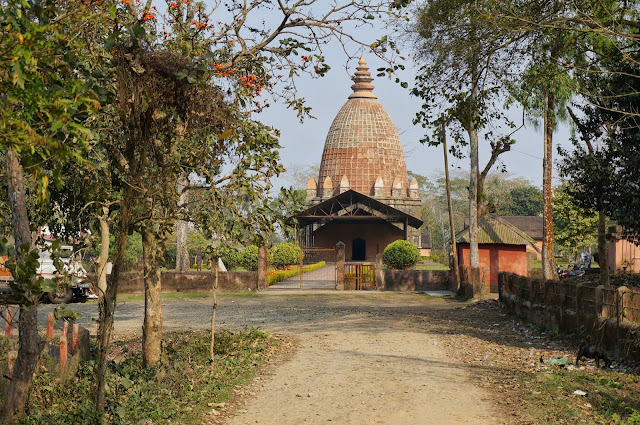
[(302, 143)]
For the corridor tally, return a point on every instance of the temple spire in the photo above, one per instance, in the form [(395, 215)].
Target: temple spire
[(362, 79)]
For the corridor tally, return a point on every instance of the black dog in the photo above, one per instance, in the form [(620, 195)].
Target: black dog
[(591, 351)]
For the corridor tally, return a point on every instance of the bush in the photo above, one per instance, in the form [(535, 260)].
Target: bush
[(250, 258), (284, 254), (400, 255), (232, 258)]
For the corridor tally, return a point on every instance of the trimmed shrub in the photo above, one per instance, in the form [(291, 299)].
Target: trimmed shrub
[(232, 258), (284, 254), (400, 255), (250, 258), (275, 276)]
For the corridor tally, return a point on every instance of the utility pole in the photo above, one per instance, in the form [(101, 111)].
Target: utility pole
[(454, 269)]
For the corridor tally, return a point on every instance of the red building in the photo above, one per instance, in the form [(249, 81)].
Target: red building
[(502, 248)]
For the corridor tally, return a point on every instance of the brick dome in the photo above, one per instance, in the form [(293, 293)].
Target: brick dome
[(363, 145)]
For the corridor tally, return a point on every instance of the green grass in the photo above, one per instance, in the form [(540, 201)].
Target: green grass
[(611, 397), (176, 391)]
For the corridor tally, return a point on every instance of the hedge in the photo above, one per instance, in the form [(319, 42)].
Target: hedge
[(250, 258), (284, 254), (400, 254), (279, 275)]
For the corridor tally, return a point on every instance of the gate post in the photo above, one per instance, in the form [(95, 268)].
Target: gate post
[(262, 269), (340, 266), (380, 283)]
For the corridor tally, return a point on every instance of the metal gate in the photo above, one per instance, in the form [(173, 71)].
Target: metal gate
[(358, 276), (318, 267)]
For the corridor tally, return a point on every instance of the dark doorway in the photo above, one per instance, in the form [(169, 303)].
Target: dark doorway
[(359, 250)]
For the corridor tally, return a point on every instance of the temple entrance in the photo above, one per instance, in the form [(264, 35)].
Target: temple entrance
[(359, 250)]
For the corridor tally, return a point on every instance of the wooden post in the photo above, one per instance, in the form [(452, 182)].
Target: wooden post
[(452, 230), (49, 326), (63, 354), (65, 329), (8, 325)]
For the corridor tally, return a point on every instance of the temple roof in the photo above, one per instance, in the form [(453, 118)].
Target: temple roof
[(363, 143)]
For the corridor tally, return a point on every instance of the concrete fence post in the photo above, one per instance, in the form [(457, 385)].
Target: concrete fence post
[(340, 259), (262, 269), (599, 300), (380, 278)]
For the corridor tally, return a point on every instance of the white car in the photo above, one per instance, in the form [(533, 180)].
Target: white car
[(78, 286)]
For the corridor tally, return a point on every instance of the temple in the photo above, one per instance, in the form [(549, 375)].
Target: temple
[(363, 196)]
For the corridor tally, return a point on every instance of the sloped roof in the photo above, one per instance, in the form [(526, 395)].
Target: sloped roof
[(529, 224), (354, 205), (495, 230)]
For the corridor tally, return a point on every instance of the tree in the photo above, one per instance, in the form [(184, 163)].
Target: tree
[(243, 55), (576, 227), (465, 61), (523, 201), (43, 107)]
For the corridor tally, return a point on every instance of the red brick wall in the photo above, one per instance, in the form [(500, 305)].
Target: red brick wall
[(497, 258), (376, 235)]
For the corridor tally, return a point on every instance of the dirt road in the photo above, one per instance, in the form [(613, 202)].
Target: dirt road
[(363, 358)]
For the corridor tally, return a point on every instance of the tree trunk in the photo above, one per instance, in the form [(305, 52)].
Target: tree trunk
[(31, 344), (152, 327), (549, 269), (183, 262), (107, 301), (214, 269), (103, 258), (454, 267), (603, 250)]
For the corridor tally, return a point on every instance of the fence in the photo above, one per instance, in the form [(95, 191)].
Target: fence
[(610, 317), (66, 352)]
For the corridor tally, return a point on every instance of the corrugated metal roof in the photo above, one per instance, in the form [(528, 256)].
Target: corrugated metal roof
[(494, 230)]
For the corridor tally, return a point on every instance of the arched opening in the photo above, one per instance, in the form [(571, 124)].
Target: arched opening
[(358, 250)]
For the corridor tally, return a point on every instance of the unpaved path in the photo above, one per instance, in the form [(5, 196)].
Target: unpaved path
[(363, 358), (370, 373)]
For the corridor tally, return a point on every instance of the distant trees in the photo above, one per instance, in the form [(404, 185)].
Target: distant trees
[(504, 195)]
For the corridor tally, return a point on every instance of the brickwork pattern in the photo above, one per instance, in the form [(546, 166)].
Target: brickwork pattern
[(363, 144)]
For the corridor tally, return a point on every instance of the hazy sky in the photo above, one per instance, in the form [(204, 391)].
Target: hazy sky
[(302, 143)]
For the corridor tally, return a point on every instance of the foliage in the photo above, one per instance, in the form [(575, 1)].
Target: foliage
[(400, 254), (275, 276), (575, 227), (176, 391), (284, 254), (522, 201), (610, 394), (250, 258), (232, 258)]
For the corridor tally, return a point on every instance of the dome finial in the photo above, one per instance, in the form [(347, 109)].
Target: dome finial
[(362, 79)]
